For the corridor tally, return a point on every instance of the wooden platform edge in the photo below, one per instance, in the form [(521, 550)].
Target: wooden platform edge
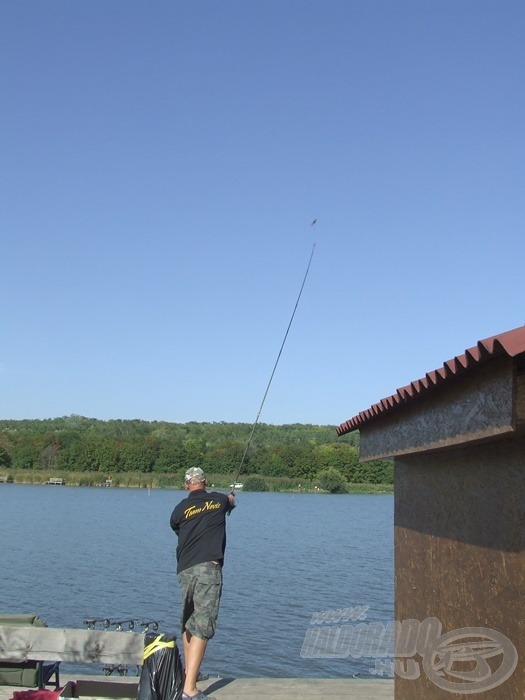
[(71, 645)]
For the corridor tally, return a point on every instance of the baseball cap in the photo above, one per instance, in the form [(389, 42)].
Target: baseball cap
[(194, 473)]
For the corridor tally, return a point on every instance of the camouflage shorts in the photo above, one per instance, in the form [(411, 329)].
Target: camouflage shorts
[(201, 588)]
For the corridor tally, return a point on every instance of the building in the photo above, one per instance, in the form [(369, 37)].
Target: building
[(457, 437)]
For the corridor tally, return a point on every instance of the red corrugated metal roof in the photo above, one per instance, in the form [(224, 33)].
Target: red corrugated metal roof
[(511, 343)]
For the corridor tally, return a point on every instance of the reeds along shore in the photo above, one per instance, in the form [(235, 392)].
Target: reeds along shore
[(221, 482)]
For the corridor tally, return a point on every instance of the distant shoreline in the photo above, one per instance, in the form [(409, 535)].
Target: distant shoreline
[(219, 484)]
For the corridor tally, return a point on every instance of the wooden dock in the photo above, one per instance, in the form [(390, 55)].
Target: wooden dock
[(298, 689), (29, 642), (257, 688)]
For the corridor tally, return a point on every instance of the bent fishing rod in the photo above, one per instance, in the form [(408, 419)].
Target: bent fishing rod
[(248, 444)]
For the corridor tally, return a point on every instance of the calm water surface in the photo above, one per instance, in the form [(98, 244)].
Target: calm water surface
[(70, 553)]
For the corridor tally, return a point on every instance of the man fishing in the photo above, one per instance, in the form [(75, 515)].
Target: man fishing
[(199, 521)]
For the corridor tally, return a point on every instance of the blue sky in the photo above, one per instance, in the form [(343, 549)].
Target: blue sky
[(161, 165)]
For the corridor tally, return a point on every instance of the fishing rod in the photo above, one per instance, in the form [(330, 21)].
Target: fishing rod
[(274, 368)]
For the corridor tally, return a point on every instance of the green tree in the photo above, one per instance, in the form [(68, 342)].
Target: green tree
[(169, 459), (226, 457), (138, 456), (107, 455), (25, 456), (77, 443), (48, 456), (5, 458), (332, 481), (340, 456), (84, 454), (254, 482), (68, 456), (192, 454), (275, 463), (377, 471)]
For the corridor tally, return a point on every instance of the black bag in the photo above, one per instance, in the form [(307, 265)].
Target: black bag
[(162, 675)]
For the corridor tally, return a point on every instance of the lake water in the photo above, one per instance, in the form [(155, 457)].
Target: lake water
[(70, 553)]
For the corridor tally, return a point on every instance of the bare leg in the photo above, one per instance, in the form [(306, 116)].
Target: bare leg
[(194, 649)]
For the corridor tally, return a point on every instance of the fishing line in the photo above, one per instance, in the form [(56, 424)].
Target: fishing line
[(273, 371)]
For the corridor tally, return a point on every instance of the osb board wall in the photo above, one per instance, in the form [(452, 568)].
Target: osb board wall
[(471, 407), (520, 399), (459, 550)]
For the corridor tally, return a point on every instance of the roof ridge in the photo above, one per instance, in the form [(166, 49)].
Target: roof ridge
[(510, 342)]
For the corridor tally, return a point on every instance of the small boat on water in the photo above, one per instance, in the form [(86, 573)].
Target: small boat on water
[(237, 486)]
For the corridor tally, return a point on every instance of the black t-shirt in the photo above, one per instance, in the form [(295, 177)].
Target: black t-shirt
[(200, 524)]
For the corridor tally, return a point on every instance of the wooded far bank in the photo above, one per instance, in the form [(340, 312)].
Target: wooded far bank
[(158, 453)]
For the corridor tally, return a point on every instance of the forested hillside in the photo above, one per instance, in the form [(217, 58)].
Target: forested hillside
[(74, 444)]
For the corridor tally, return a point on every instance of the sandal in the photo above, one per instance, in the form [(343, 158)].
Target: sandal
[(200, 696)]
